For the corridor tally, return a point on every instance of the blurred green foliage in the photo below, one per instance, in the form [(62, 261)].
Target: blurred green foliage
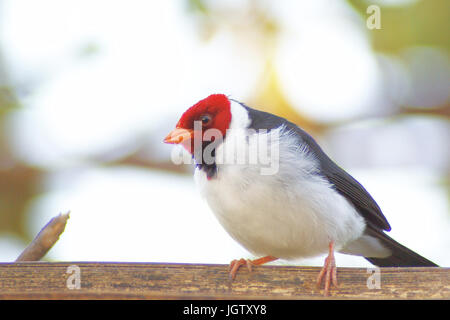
[(8, 100), (425, 22)]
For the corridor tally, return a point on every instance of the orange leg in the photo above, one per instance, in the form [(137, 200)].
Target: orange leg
[(236, 264), (329, 271)]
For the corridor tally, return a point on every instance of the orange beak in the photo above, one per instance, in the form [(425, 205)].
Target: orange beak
[(179, 135)]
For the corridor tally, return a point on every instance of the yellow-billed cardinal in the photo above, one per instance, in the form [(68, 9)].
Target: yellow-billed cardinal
[(305, 207)]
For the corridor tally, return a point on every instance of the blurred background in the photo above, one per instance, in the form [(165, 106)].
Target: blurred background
[(89, 89)]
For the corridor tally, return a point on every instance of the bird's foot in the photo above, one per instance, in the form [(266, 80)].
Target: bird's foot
[(236, 264), (329, 270)]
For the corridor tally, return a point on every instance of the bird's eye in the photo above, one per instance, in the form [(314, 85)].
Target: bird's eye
[(205, 119)]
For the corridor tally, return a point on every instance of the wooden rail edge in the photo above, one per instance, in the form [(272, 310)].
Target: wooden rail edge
[(108, 280)]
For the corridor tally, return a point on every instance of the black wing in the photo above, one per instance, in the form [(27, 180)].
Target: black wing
[(344, 183)]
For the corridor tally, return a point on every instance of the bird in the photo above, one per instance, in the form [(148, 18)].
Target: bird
[(290, 203)]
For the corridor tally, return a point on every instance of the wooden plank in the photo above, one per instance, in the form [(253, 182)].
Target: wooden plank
[(105, 280)]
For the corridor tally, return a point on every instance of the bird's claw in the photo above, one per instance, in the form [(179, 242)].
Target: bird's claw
[(236, 264), (329, 270)]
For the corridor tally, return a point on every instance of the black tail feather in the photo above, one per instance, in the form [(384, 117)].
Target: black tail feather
[(401, 255)]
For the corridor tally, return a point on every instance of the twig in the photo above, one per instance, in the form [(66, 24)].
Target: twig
[(45, 239)]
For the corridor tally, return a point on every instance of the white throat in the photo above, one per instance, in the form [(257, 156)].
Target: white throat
[(239, 116)]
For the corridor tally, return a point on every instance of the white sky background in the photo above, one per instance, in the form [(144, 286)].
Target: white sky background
[(148, 66)]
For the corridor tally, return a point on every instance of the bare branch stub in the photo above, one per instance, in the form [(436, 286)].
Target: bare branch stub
[(45, 239)]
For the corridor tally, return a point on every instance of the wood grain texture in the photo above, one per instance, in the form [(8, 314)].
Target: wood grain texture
[(105, 280)]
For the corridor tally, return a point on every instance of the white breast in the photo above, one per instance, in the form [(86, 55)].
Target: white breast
[(291, 214)]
